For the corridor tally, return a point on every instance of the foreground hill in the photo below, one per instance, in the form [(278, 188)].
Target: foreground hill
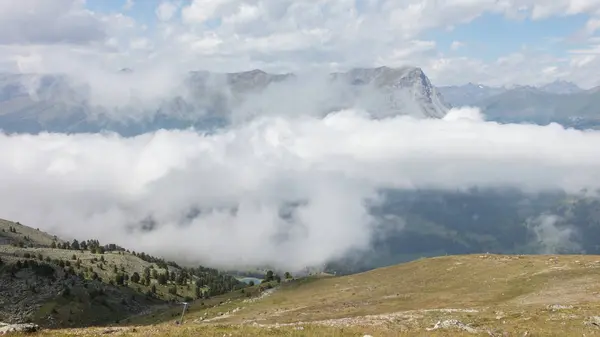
[(488, 295), (55, 283)]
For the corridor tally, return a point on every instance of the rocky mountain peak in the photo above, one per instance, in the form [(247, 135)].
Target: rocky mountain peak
[(407, 89)]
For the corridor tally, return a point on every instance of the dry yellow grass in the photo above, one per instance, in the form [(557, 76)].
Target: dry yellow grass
[(490, 294), (471, 281)]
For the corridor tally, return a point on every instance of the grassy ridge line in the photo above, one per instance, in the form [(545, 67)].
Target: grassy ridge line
[(36, 236)]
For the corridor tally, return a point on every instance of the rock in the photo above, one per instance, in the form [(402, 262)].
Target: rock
[(593, 321), (19, 328), (110, 331), (452, 323), (555, 307)]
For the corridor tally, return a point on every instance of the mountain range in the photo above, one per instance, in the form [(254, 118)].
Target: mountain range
[(33, 103), (557, 102), (471, 93)]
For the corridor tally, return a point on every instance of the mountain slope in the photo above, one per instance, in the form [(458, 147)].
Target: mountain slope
[(467, 295), (14, 233), (407, 90), (57, 283), (427, 223)]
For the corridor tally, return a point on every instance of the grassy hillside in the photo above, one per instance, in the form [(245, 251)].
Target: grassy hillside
[(488, 295), (58, 283), (16, 233)]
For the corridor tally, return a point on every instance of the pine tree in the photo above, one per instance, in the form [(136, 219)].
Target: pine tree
[(269, 276), (162, 279), (135, 277), (119, 279)]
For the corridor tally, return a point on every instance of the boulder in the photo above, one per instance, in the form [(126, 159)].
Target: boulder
[(18, 328)]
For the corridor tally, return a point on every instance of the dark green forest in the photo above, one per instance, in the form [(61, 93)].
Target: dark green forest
[(428, 223)]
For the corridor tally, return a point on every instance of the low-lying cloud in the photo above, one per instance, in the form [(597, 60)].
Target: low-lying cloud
[(287, 191), (553, 235)]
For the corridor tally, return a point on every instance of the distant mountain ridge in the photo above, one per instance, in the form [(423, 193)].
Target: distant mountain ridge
[(32, 104), (206, 101), (561, 87), (469, 93), (558, 102)]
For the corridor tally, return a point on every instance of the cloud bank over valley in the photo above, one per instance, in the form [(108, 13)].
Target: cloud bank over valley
[(289, 191)]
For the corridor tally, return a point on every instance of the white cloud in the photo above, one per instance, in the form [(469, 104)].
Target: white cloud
[(141, 43), (128, 4), (456, 45), (166, 10), (466, 114), (553, 236), (408, 53), (98, 185), (48, 22), (201, 10), (283, 36)]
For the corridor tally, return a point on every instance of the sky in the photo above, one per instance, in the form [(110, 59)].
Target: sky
[(493, 42), (282, 153)]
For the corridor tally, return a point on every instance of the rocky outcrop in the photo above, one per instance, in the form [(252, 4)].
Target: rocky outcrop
[(18, 328), (406, 90)]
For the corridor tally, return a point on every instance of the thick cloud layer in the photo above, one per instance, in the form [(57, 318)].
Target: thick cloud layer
[(288, 191)]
